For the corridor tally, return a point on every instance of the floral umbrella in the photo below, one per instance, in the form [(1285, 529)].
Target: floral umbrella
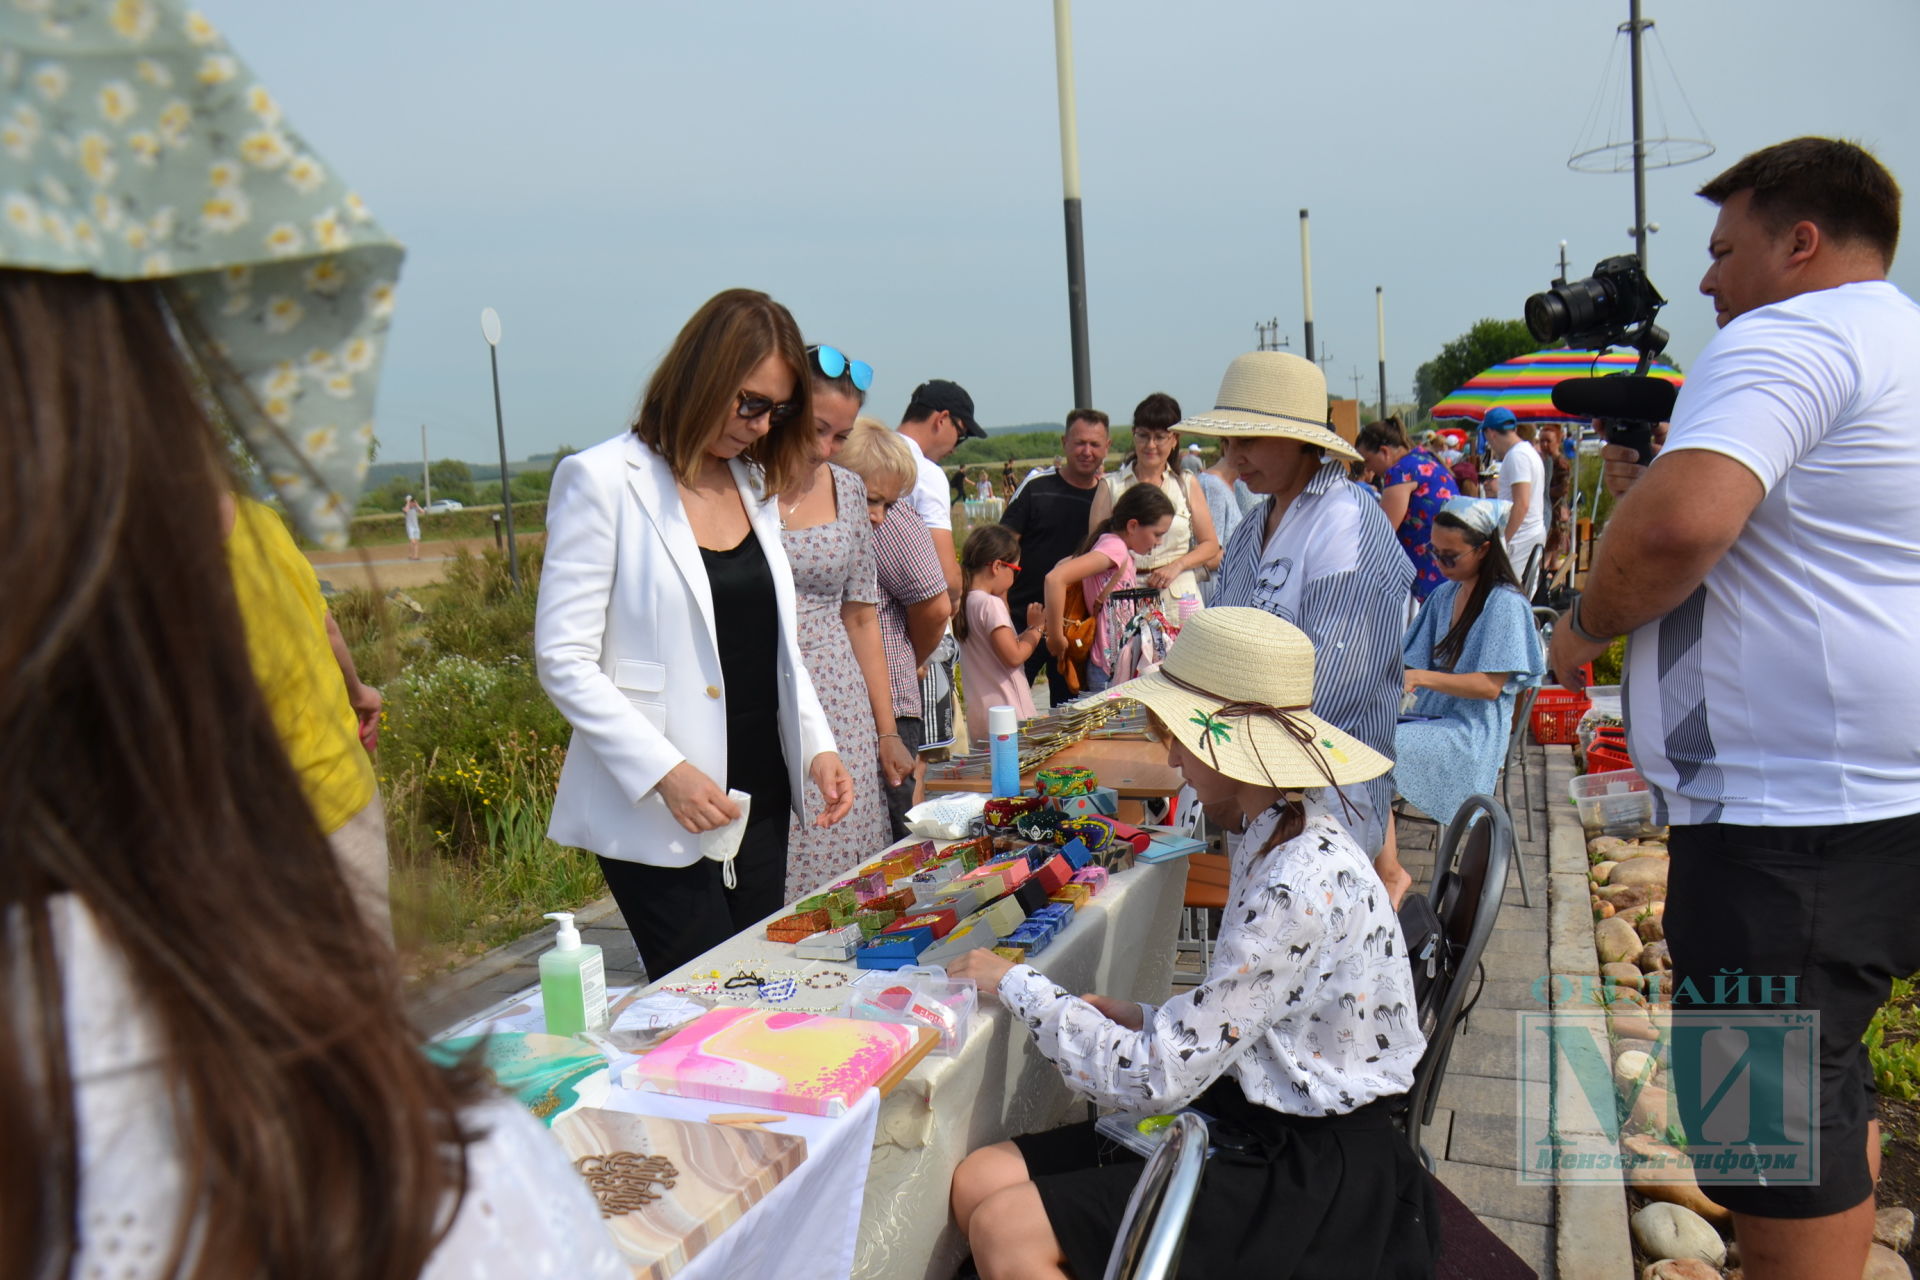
[(1524, 384)]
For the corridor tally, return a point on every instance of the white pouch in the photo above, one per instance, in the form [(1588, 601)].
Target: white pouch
[(722, 843)]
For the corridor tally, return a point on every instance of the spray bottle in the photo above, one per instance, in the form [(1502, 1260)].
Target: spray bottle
[(573, 982), (1003, 729)]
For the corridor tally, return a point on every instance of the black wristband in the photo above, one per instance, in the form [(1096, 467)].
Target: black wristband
[(1572, 618)]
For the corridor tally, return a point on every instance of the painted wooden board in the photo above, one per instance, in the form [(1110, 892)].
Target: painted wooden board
[(662, 1222), (812, 1063)]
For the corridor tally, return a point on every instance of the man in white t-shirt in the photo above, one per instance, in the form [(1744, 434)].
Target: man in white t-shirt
[(1767, 567), (1523, 482), (937, 419)]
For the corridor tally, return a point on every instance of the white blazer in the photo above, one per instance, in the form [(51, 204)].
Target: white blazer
[(625, 642)]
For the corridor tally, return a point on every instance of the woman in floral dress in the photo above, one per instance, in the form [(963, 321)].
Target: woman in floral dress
[(1417, 486), (829, 543)]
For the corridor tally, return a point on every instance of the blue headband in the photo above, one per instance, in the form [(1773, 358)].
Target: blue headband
[(1483, 515)]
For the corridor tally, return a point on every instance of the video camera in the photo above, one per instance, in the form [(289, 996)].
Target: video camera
[(1614, 307)]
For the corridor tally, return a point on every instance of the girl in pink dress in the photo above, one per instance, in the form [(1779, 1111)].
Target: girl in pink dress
[(993, 653), (1140, 518)]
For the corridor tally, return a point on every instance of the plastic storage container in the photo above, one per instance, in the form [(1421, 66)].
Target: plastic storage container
[(917, 996), (1612, 804), (1556, 712)]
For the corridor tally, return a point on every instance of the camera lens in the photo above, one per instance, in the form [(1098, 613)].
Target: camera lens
[(1548, 319)]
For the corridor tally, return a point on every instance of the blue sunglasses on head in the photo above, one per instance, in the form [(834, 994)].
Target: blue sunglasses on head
[(832, 362)]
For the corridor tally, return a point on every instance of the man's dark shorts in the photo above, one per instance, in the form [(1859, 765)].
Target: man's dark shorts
[(913, 732), (1833, 907)]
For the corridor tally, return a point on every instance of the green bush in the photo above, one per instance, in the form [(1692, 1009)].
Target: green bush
[(1893, 1044)]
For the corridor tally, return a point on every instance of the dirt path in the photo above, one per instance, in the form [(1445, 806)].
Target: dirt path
[(388, 566)]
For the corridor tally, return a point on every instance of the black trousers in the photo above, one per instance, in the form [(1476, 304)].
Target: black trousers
[(676, 913), (913, 733), (1057, 691)]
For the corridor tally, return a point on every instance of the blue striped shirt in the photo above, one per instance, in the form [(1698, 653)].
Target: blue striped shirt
[(1333, 568)]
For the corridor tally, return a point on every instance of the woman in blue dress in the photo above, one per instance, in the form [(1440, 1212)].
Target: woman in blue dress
[(1469, 653), (1415, 485)]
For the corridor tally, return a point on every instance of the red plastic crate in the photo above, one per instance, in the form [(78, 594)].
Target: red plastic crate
[(1556, 714), (1606, 760)]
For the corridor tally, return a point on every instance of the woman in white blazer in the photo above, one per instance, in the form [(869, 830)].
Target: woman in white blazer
[(666, 635)]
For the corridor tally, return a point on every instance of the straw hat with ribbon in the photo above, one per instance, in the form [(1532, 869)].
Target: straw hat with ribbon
[(1237, 689), (1271, 393), (135, 145)]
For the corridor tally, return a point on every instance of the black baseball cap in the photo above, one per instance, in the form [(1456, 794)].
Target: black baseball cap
[(936, 394)]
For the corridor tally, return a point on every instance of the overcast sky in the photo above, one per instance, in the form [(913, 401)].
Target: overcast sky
[(890, 169)]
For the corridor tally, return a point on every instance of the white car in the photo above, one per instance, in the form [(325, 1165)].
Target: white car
[(443, 504)]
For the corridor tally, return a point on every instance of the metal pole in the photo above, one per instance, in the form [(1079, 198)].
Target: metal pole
[(506, 492), (1563, 262), (1306, 279), (1634, 26), (1070, 184), (426, 470), (1380, 322)]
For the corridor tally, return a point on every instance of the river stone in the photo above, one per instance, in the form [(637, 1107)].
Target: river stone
[(1893, 1227), (1627, 976), (1669, 1231), (1680, 1269), (1628, 899), (1631, 1024), (1884, 1264), (1652, 1111), (1631, 1066), (1651, 925), (1616, 941), (1653, 958), (1639, 871), (1668, 1178), (1600, 871)]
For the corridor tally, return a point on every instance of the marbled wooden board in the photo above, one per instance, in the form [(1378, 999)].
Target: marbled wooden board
[(721, 1173)]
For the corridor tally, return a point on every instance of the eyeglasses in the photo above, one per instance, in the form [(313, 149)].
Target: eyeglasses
[(1452, 558), (832, 362), (1011, 564), (778, 413)]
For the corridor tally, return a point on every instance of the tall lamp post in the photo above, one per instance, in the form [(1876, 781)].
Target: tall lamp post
[(1380, 321), (1070, 185), (490, 330)]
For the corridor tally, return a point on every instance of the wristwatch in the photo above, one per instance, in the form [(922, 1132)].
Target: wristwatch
[(1572, 618)]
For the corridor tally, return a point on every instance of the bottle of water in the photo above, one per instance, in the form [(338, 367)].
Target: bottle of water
[(1003, 728)]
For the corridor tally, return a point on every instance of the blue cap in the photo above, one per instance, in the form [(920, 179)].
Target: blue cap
[(1500, 420)]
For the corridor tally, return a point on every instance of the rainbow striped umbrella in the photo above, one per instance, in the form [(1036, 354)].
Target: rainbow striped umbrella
[(1524, 384)]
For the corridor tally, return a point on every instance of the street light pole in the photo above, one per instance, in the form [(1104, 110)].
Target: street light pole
[(490, 329), (1306, 280), (1380, 321), (1634, 27), (426, 469), (1070, 185)]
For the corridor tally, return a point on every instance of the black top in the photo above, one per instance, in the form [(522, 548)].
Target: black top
[(744, 616), (1050, 516)]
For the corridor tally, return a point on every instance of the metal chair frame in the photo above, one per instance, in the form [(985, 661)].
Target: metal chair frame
[(1469, 881), (1154, 1227)]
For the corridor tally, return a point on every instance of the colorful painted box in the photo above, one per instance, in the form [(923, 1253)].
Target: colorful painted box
[(1094, 878), (1077, 854), (1016, 954), (811, 1063), (800, 925), (1101, 802), (1004, 916), (941, 922), (972, 852), (962, 900), (892, 950), (1035, 938), (1073, 895), (872, 920), (1054, 874)]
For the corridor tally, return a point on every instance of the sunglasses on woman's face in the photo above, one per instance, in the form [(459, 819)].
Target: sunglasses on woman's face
[(778, 413), (832, 362), (1451, 558)]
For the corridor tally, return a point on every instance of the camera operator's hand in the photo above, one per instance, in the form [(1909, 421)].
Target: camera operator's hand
[(1621, 467)]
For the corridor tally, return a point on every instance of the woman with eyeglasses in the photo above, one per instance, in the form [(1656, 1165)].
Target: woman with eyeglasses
[(1469, 653), (825, 528), (1190, 543), (667, 634)]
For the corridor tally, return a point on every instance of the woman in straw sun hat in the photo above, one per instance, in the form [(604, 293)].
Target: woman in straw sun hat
[(1297, 1044), (1318, 553)]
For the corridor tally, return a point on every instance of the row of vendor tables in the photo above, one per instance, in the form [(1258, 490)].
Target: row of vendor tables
[(868, 1194)]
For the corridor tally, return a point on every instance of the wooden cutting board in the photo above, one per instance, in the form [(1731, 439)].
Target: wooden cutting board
[(711, 1175)]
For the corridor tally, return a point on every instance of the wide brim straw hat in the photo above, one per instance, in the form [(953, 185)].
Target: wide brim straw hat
[(1237, 690), (1271, 393)]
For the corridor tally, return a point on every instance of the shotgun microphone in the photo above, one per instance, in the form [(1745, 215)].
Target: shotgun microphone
[(1629, 405)]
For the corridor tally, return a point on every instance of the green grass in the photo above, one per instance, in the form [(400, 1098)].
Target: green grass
[(1893, 1044), (470, 754)]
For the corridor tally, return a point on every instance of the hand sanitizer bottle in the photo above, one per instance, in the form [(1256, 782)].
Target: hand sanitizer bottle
[(573, 982), (1003, 728)]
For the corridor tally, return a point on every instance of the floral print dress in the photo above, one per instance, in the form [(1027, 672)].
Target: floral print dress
[(1432, 486), (833, 563)]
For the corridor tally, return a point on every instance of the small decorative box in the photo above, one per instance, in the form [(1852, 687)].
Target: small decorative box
[(1031, 895), (1016, 954), (1002, 813), (972, 852), (1005, 916), (896, 901), (962, 900), (1065, 782), (898, 868), (1101, 802), (941, 922), (921, 853), (868, 885), (1078, 856), (797, 927), (1054, 873), (1073, 895), (1058, 914), (964, 938), (1034, 938), (892, 950), (872, 920), (831, 944), (1093, 878)]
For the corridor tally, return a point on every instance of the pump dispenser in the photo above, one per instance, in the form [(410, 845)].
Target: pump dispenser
[(573, 982)]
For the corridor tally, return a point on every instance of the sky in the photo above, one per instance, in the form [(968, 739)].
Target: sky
[(890, 170)]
